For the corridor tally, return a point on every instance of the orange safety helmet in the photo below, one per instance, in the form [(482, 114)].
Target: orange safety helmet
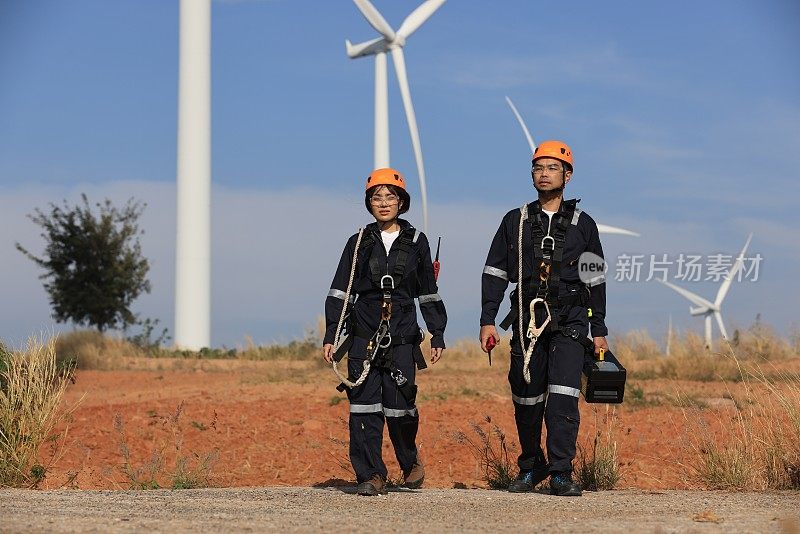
[(385, 176), (391, 177), (553, 149)]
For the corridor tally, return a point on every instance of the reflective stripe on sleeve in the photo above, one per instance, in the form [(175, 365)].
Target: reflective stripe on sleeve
[(433, 297), (337, 294), (564, 390), (528, 401), (366, 408), (391, 412), (494, 271)]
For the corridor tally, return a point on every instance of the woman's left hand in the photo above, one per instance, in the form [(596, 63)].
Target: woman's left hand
[(436, 354)]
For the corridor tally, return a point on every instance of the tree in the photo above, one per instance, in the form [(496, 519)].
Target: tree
[(93, 263)]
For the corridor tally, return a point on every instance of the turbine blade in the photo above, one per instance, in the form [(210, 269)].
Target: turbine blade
[(718, 317), (375, 19), (367, 48), (738, 264), (522, 124), (418, 17), (697, 300), (405, 92), (606, 229)]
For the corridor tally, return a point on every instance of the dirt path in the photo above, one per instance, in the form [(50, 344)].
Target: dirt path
[(435, 510)]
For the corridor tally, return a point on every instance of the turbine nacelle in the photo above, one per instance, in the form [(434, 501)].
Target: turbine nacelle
[(367, 48), (700, 311)]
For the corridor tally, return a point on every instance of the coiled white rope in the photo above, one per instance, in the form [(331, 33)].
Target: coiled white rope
[(345, 380), (528, 352)]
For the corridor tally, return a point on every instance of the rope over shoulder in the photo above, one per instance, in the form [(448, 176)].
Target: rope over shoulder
[(345, 380)]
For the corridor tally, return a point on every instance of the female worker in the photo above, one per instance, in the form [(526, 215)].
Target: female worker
[(370, 314)]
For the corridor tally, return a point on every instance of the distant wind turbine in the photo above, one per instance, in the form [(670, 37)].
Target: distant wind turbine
[(708, 309), (393, 42), (193, 242), (602, 228)]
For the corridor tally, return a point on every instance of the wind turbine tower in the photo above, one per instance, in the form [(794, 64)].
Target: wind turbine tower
[(193, 254)]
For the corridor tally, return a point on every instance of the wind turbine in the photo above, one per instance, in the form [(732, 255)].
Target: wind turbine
[(192, 253), (708, 309), (602, 228), (393, 43)]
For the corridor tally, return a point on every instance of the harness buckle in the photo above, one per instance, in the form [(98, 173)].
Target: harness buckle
[(552, 243)]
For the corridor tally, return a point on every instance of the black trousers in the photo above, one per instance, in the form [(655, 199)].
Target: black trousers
[(376, 399), (552, 396)]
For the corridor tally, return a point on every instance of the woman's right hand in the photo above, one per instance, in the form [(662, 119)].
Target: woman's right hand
[(327, 352)]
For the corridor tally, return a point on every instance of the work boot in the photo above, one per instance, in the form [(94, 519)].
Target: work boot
[(372, 487), (561, 484), (415, 476), (527, 479)]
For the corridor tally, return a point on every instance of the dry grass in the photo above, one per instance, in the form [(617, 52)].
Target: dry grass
[(689, 360), (757, 446), (598, 465), (90, 349), (32, 388), (167, 465), (493, 460)]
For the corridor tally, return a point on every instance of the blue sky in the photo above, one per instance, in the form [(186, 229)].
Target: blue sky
[(684, 118)]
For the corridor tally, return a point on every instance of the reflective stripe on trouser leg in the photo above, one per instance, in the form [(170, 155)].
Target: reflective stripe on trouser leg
[(402, 417), (561, 415), (366, 418), (529, 403)]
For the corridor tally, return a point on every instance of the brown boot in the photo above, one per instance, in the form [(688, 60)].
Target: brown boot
[(372, 487), (415, 476)]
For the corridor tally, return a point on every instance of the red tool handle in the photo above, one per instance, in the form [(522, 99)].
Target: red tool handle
[(436, 268), (491, 343)]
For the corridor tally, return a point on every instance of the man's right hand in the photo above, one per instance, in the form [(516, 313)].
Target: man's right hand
[(488, 331), (327, 352)]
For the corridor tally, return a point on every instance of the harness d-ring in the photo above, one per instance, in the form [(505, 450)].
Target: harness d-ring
[(553, 242)]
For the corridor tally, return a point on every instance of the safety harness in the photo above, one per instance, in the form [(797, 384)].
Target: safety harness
[(543, 292), (379, 342)]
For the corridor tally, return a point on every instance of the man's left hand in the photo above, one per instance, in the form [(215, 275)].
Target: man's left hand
[(436, 353)]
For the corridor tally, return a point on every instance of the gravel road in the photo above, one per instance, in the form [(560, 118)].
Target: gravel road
[(296, 509)]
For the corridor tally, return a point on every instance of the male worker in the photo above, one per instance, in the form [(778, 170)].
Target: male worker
[(549, 237)]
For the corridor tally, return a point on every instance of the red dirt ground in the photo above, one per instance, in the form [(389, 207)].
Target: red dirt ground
[(283, 423)]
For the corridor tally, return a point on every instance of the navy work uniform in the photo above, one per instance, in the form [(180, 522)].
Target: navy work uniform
[(558, 356), (409, 263)]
